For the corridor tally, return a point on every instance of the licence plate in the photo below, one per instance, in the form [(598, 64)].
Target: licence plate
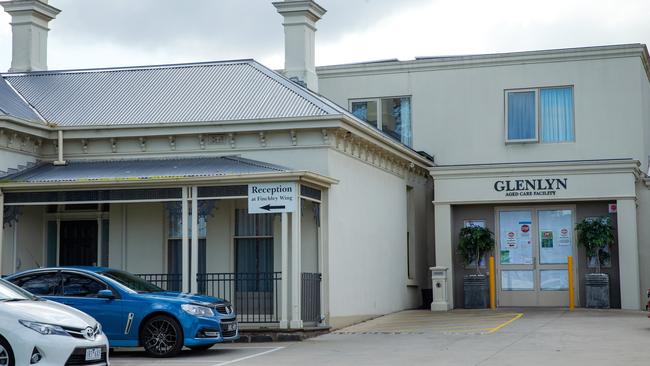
[(230, 327), (93, 354)]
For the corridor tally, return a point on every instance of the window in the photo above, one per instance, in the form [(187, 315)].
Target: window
[(47, 284), (541, 114), (253, 251), (175, 243), (76, 285), (390, 115)]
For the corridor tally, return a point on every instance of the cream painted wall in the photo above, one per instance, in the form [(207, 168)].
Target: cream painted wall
[(367, 242), (643, 232), (12, 159), (458, 113), (30, 238), (8, 250), (219, 246), (115, 237), (145, 240)]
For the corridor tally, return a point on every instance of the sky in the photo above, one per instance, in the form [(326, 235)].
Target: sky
[(104, 33)]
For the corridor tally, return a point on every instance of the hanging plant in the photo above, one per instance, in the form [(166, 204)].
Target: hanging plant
[(474, 243), (595, 234)]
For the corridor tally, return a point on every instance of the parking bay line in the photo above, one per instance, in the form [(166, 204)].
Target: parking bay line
[(519, 315), (249, 356)]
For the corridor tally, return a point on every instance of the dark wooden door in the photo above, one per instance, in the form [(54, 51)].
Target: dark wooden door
[(78, 243)]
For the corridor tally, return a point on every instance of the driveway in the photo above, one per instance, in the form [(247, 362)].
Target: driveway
[(504, 337)]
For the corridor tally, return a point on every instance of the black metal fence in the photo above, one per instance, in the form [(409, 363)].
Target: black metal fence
[(166, 281), (311, 299), (255, 296)]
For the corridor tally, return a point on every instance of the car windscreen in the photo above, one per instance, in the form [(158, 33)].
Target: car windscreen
[(11, 292), (134, 283)]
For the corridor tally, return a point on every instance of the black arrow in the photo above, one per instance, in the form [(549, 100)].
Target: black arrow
[(269, 207)]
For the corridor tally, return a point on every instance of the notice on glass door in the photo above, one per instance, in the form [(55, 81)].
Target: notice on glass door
[(515, 245)]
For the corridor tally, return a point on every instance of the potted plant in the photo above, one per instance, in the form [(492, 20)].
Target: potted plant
[(596, 234), (473, 244)]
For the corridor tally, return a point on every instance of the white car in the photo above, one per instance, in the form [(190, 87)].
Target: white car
[(39, 332)]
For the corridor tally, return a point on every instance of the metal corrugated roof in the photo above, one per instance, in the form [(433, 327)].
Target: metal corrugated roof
[(141, 169), (200, 92), (12, 105)]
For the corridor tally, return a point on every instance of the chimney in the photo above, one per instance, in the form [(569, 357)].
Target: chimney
[(300, 17), (29, 20)]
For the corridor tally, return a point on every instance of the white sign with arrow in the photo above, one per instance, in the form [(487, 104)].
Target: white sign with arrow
[(272, 197)]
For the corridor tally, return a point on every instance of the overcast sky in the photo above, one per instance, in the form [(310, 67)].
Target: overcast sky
[(99, 33)]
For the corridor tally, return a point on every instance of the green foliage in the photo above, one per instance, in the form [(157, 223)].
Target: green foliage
[(594, 235), (474, 242)]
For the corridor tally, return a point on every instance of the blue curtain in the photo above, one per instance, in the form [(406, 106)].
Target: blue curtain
[(521, 115), (360, 110), (556, 106), (404, 122)]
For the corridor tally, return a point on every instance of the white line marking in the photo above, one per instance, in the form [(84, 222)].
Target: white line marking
[(248, 357)]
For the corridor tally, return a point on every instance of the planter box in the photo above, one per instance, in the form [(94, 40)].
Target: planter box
[(477, 291), (597, 290)]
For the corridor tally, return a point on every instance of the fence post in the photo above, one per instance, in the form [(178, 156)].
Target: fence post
[(571, 291)]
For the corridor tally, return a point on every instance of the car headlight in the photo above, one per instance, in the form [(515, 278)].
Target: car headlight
[(197, 310), (45, 329)]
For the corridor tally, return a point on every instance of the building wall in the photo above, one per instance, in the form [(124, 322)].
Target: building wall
[(13, 159), (458, 112), (643, 210), (367, 242), (30, 238), (145, 238)]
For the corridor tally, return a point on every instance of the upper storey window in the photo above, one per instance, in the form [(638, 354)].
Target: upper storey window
[(390, 115), (540, 114)]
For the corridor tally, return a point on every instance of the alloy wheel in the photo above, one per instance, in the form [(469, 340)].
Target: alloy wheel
[(4, 356), (160, 337)]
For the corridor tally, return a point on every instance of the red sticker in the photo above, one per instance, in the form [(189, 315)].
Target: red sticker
[(525, 228)]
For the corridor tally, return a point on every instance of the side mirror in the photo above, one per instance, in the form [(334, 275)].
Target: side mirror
[(105, 294)]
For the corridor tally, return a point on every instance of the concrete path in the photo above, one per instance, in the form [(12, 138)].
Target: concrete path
[(538, 337)]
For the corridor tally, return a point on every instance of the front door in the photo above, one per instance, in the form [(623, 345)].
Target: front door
[(533, 246), (78, 243)]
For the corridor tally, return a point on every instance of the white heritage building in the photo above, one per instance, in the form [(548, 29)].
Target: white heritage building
[(149, 169)]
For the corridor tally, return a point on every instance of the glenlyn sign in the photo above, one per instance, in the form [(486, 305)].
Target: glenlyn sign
[(272, 197), (531, 187)]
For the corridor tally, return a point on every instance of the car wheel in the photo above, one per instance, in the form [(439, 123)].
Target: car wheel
[(201, 348), (162, 336), (6, 354)]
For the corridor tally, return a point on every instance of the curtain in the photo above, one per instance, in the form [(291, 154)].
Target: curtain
[(404, 122), (521, 115), (556, 106), (360, 110)]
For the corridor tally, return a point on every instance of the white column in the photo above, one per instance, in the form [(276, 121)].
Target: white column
[(628, 254), (194, 268), (284, 301), (185, 242), (296, 270), (2, 234), (444, 250)]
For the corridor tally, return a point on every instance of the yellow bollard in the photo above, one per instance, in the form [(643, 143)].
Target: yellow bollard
[(493, 274), (571, 294)]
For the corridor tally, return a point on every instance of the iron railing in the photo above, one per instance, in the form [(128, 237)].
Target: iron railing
[(166, 281), (255, 296), (311, 299)]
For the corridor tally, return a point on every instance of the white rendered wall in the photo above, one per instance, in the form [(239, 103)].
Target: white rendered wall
[(31, 239), (643, 232), (458, 113), (14, 159), (367, 242)]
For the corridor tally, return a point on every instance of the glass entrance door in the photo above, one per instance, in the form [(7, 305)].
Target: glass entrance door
[(533, 245)]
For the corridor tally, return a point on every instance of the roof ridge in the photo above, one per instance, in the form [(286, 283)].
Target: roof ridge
[(126, 68)]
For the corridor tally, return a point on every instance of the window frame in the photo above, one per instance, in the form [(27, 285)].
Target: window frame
[(380, 114), (538, 112)]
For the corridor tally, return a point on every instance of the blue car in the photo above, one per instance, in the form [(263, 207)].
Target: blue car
[(134, 312)]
